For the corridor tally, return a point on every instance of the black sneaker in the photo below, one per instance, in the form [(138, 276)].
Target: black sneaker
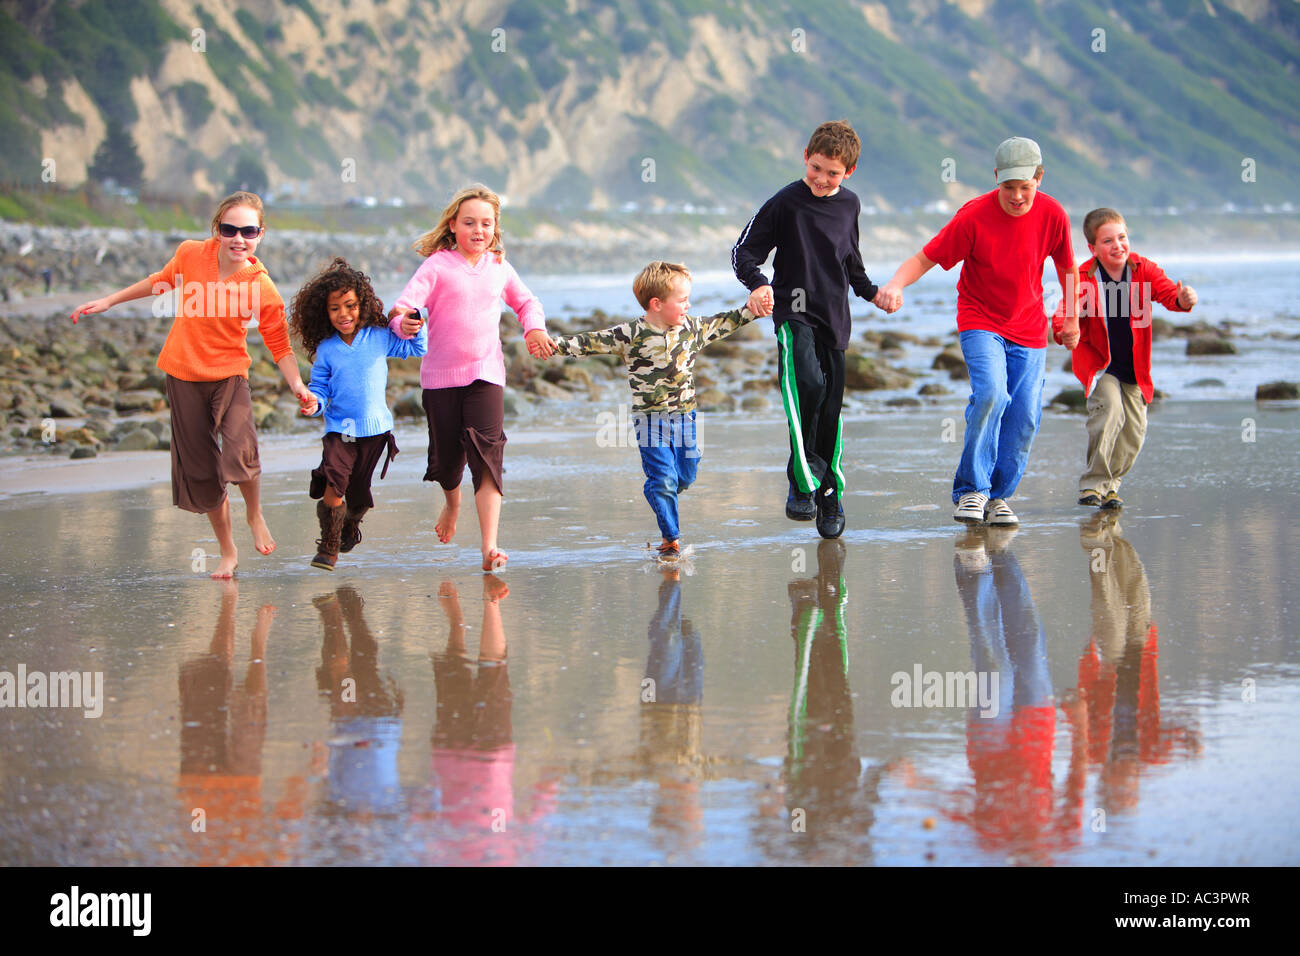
[(799, 505), (830, 515)]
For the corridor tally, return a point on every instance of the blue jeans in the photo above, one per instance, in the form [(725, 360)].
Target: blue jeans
[(1006, 405), (670, 457)]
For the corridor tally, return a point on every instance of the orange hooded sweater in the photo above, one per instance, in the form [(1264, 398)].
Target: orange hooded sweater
[(207, 341)]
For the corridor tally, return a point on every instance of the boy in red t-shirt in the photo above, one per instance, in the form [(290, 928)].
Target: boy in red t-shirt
[(1001, 238)]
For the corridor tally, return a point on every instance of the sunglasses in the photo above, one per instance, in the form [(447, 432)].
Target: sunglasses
[(229, 231)]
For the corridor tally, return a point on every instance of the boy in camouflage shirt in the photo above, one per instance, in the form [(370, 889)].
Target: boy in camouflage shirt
[(659, 350)]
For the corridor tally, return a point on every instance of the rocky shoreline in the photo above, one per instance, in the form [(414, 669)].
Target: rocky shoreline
[(100, 259), (77, 391), (80, 390)]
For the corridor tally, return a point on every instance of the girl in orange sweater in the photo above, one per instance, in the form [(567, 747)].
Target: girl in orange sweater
[(223, 289)]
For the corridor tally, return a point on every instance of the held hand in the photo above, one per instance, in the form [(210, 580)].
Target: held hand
[(889, 299), (96, 305), (310, 407), (761, 301), (539, 344), (1069, 336), (1186, 296), (411, 324)]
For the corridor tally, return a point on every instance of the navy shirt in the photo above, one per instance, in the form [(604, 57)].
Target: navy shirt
[(1119, 328), (817, 258)]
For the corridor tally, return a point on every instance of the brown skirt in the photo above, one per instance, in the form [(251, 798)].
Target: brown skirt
[(465, 427), (214, 441), (348, 466)]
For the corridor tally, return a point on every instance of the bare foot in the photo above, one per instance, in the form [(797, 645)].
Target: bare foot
[(262, 539), (494, 589), (226, 569), (495, 560), (446, 526)]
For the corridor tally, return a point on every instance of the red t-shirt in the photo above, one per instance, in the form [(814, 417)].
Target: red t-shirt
[(1001, 284)]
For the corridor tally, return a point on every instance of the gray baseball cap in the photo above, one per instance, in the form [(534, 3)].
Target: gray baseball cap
[(1017, 158)]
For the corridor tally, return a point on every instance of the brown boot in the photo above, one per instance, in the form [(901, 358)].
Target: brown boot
[(352, 529), (331, 527)]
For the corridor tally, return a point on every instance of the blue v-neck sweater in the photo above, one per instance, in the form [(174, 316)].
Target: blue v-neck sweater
[(349, 381)]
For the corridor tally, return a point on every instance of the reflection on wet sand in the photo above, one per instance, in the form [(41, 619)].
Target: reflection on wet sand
[(1014, 808), (223, 729), (829, 801), (471, 793), (671, 750), (365, 711), (1118, 697)]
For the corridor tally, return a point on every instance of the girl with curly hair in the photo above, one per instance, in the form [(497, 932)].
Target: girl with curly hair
[(459, 288), (342, 325)]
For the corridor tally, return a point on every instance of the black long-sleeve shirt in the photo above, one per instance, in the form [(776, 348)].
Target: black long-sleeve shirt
[(817, 258)]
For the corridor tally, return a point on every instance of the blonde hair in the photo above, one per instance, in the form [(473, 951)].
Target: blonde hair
[(440, 236), (1096, 219), (656, 280), (241, 198)]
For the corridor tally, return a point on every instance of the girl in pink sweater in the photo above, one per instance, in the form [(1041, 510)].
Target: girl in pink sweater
[(459, 289)]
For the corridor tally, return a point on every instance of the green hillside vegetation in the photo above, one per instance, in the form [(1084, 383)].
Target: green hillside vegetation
[(1182, 94)]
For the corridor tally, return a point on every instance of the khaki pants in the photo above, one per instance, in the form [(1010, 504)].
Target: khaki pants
[(1117, 426)]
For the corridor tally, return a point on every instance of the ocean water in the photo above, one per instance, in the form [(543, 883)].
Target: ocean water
[(1258, 295)]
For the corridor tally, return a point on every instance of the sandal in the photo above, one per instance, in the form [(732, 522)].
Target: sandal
[(496, 559)]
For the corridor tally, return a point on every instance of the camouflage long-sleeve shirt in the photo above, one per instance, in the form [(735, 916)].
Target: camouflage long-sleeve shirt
[(660, 364)]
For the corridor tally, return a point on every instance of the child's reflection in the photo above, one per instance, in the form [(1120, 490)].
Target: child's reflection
[(823, 771), (223, 729), (365, 710), (1119, 696), (473, 742), (1010, 752), (671, 746)]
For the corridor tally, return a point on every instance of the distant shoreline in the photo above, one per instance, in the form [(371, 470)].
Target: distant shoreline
[(101, 258)]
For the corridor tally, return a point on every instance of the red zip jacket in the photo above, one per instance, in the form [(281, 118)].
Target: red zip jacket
[(1147, 281)]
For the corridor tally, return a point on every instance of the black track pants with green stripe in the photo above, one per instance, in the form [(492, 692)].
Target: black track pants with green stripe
[(812, 391)]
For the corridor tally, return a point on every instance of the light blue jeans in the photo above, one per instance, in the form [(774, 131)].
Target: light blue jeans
[(1006, 405), (670, 458)]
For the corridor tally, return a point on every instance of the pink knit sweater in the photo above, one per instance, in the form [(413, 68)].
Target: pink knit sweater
[(464, 303)]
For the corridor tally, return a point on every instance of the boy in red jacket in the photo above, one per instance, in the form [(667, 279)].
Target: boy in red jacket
[(1113, 357)]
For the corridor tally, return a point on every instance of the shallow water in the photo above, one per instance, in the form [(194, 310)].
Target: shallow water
[(1258, 294), (741, 711)]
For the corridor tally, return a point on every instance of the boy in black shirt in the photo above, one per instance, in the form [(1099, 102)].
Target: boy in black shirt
[(813, 225)]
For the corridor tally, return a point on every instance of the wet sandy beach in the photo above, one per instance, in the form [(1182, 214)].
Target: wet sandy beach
[(744, 709)]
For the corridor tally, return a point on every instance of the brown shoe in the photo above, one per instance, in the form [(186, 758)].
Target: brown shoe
[(331, 528), (352, 529)]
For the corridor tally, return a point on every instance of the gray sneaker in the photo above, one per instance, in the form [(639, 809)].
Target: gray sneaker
[(999, 512), (970, 507)]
